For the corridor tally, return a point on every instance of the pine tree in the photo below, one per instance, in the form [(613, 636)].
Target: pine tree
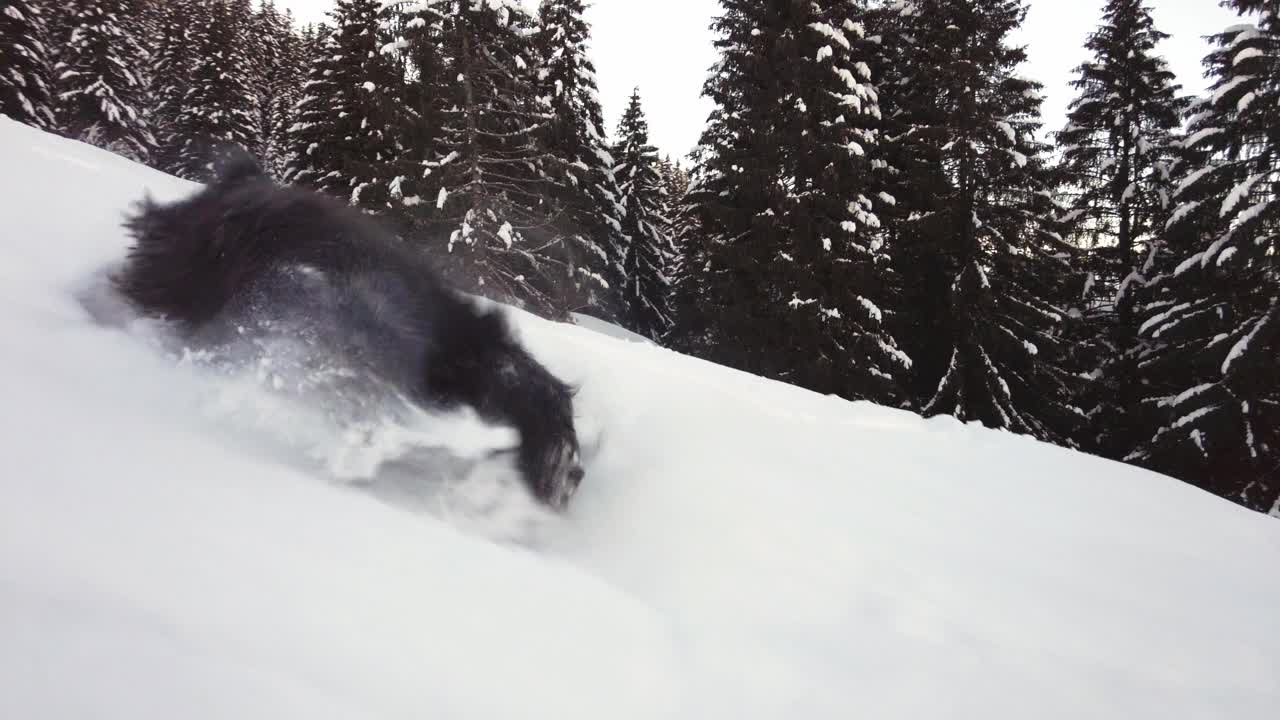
[(1119, 148), (690, 330), (1211, 310), (790, 265), (984, 268), (649, 249), (258, 49), (730, 194), (25, 81), (675, 185), (1120, 139), (486, 190), (173, 58), (680, 228), (583, 183), (59, 22), (839, 288), (218, 107), (314, 36), (280, 76), (344, 136), (102, 91), (417, 56)]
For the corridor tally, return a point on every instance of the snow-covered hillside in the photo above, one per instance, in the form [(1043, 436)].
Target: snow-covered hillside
[(740, 549)]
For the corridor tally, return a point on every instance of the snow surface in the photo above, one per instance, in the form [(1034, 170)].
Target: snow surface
[(609, 329), (739, 549)]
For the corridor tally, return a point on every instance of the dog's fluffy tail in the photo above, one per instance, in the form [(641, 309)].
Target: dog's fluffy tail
[(190, 257), (234, 165)]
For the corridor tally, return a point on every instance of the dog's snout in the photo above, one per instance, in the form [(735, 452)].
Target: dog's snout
[(576, 473)]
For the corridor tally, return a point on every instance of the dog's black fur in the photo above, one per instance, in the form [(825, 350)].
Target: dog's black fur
[(245, 245)]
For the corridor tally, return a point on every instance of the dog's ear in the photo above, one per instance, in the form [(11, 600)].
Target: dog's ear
[(233, 165)]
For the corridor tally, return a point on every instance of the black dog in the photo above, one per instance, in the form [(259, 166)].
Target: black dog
[(245, 245)]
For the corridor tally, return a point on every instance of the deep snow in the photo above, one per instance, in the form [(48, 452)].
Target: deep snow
[(740, 548)]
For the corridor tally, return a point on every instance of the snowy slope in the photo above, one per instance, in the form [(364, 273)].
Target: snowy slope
[(608, 328), (741, 549)]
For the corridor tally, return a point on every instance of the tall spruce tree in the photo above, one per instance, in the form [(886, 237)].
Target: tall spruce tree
[(26, 79), (583, 184), (257, 47), (344, 136), (486, 192), (1119, 149), (102, 86), (1120, 140), (675, 184), (277, 84), (218, 107), (649, 249), (416, 50), (314, 36), (173, 56), (790, 257), (59, 20), (691, 329), (1212, 309), (675, 192), (731, 194), (983, 263)]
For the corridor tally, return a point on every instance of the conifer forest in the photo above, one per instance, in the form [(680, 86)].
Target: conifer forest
[(875, 209)]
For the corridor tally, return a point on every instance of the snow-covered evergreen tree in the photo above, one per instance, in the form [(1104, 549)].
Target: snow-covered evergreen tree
[(277, 84), (25, 65), (173, 56), (218, 107), (691, 329), (649, 249), (1120, 139), (839, 286), (675, 185), (582, 181), (417, 52), (58, 19), (101, 83), (1119, 149), (314, 36), (675, 195), (344, 133), (786, 197), (1212, 308), (486, 190), (983, 265), (732, 196)]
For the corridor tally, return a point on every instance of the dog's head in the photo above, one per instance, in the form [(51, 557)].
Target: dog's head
[(487, 367), (550, 454), (540, 407)]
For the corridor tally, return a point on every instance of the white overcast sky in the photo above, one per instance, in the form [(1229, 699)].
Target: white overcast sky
[(664, 48)]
